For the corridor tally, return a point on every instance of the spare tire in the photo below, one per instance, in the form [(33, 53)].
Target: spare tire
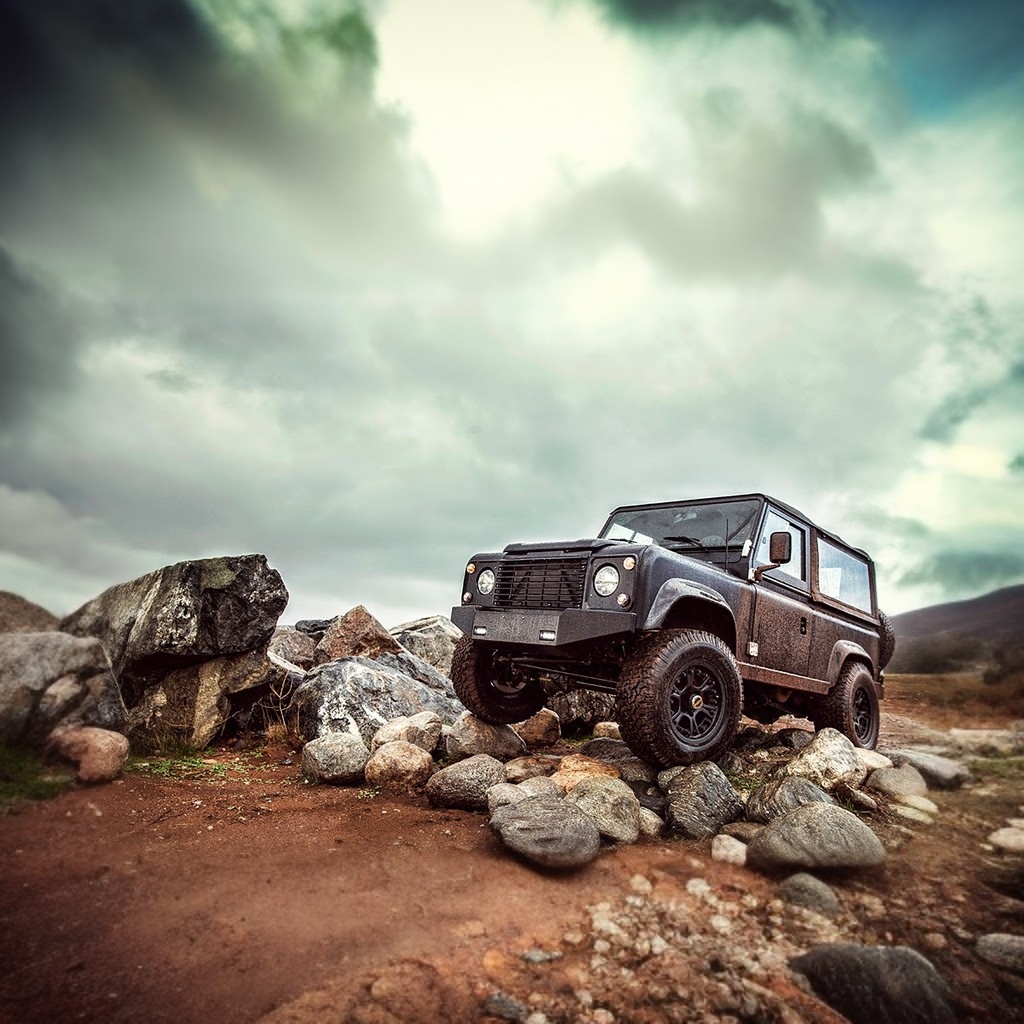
[(887, 636)]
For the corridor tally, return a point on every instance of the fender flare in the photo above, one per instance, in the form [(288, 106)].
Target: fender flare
[(674, 590), (844, 651)]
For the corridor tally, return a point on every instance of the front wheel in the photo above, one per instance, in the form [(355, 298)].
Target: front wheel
[(680, 698), (491, 686), (852, 706)]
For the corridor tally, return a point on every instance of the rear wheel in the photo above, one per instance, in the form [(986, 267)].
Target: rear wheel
[(491, 686), (852, 706), (680, 698)]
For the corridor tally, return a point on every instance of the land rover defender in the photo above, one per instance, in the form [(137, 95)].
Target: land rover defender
[(692, 613)]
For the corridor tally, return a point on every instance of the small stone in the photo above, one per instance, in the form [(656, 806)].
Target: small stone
[(728, 850), (1009, 840), (1003, 950), (540, 730), (920, 803), (607, 731), (805, 890), (913, 814), (897, 782)]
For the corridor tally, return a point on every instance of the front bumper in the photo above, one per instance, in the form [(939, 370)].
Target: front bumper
[(543, 628)]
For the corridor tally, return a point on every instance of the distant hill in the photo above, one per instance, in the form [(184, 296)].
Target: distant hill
[(960, 635)]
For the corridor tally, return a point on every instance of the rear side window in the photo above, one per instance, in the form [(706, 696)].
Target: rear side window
[(843, 576)]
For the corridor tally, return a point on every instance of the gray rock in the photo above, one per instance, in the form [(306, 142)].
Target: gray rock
[(540, 785), (359, 695), (728, 850), (804, 890), (794, 739), (506, 793), (652, 825), (830, 759), (938, 772), (780, 796), (1003, 950), (580, 710), (549, 832), (612, 805), (897, 782), (99, 755), (181, 614), (701, 800), (339, 757), (398, 767), (815, 835), (469, 735), (433, 639), (877, 985), (292, 646), (356, 634), (53, 680), (465, 784), (423, 729)]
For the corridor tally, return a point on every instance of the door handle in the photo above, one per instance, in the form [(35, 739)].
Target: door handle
[(803, 625)]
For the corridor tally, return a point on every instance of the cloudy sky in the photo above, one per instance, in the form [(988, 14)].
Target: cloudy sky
[(370, 287)]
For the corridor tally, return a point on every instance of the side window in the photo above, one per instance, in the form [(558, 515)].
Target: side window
[(843, 576), (796, 567)]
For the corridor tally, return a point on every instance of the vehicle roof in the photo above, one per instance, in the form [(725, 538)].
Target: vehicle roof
[(757, 495)]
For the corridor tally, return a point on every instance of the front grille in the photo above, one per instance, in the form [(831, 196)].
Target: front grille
[(540, 583)]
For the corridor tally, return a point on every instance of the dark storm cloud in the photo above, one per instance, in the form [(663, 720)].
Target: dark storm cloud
[(958, 571), (1017, 464), (667, 14), (943, 421), (104, 101), (38, 344)]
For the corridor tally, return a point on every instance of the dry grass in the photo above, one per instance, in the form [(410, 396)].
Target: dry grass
[(957, 699)]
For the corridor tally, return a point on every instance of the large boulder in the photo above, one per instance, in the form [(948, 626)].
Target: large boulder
[(398, 767), (470, 735), (180, 615), (613, 806), (701, 800), (54, 680), (875, 984), (780, 796), (830, 760), (337, 758), (433, 639), (465, 784), (550, 832), (356, 634), (192, 704), (815, 835), (358, 695)]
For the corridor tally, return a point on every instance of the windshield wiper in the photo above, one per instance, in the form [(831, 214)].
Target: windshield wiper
[(688, 540)]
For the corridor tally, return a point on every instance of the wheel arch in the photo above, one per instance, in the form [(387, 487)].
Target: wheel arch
[(683, 605), (844, 652)]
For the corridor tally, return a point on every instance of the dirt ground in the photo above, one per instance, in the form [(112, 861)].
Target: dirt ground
[(241, 892)]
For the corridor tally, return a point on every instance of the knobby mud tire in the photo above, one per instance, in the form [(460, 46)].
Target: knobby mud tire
[(851, 706), (680, 698), (485, 685)]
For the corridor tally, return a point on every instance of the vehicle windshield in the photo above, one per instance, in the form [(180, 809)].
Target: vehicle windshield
[(701, 526)]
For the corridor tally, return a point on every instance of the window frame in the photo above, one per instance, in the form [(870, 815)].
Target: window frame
[(869, 613)]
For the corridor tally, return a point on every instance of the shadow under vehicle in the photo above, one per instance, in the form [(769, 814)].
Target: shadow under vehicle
[(692, 613)]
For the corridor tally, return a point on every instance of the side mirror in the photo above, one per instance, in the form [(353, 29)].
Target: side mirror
[(780, 547), (780, 551)]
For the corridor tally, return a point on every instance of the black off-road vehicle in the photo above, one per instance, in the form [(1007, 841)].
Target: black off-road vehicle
[(692, 613)]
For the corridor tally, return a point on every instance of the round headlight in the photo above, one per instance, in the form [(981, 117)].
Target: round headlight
[(606, 580), (485, 581)]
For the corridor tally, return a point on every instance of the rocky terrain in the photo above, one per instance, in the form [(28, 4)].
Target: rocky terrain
[(374, 853)]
